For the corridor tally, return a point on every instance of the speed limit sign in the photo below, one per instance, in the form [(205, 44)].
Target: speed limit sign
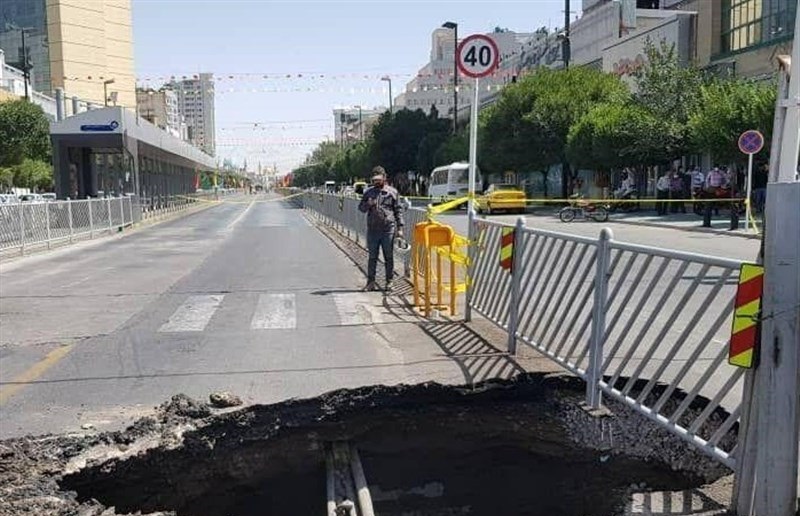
[(478, 56)]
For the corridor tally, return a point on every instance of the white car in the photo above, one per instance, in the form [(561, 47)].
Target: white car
[(8, 199), (31, 197), (49, 197)]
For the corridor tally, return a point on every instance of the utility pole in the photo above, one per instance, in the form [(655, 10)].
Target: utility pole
[(26, 75), (767, 455), (565, 49)]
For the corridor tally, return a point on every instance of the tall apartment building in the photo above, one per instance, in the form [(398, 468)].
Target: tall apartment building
[(160, 107), (196, 106), (77, 46)]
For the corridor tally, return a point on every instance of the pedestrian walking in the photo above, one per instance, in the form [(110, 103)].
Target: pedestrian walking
[(760, 178), (381, 203), (676, 191), (662, 192)]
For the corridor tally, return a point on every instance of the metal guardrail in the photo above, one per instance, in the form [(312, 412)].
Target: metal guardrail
[(24, 226), (645, 326)]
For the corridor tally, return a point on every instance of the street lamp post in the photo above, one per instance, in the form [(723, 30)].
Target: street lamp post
[(454, 26), (105, 90), (26, 69), (389, 80), (360, 125)]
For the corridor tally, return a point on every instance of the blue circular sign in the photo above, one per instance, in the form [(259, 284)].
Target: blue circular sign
[(751, 142)]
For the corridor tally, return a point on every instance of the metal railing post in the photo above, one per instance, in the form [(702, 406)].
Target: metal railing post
[(594, 369), (516, 281), (47, 222), (91, 220), (69, 216), (471, 262), (22, 227), (122, 212), (110, 218)]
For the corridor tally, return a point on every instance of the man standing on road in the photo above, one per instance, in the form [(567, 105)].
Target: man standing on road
[(381, 203)]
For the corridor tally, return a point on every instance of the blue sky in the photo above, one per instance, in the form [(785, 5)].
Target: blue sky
[(351, 43)]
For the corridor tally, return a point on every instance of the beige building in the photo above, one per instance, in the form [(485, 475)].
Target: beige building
[(77, 45), (741, 36)]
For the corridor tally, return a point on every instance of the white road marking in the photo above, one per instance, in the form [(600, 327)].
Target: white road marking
[(241, 216), (275, 312), (357, 309), (193, 314)]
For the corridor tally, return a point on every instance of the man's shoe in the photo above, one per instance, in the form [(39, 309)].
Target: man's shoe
[(371, 286), (389, 287)]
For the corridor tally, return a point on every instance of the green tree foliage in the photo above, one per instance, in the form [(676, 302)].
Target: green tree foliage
[(397, 137), (454, 148), (24, 133), (33, 174), (666, 87), (613, 136), (528, 127), (726, 109)]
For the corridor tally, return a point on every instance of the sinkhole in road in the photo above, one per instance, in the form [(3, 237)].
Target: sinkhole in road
[(499, 448)]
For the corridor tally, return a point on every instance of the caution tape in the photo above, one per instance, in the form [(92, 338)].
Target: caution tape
[(226, 201), (648, 200)]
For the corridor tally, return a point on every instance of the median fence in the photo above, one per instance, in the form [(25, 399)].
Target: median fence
[(644, 326), (27, 226)]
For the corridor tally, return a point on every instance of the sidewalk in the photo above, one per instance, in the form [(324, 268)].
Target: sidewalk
[(720, 224)]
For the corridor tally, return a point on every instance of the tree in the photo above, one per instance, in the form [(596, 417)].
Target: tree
[(665, 86), (529, 125), (33, 174), (670, 90), (613, 136), (726, 109), (454, 148), (24, 133), (396, 140)]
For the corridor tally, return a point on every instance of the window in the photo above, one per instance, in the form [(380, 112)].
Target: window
[(746, 23)]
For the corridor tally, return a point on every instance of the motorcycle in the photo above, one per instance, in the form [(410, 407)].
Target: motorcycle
[(580, 209), (628, 205)]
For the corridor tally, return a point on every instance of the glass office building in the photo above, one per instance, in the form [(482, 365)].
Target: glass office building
[(30, 16)]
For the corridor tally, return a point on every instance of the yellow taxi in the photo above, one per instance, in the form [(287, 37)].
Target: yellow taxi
[(502, 197)]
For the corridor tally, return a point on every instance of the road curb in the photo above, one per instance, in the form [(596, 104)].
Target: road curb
[(700, 229)]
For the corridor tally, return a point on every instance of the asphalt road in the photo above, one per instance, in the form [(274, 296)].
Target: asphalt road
[(713, 244), (245, 296)]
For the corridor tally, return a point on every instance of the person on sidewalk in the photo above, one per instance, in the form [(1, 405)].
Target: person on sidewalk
[(381, 203), (662, 192), (760, 179)]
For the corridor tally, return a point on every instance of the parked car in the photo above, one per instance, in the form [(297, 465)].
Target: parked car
[(505, 197), (49, 197), (8, 199), (31, 197)]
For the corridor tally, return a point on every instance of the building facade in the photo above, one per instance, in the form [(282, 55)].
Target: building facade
[(741, 37), (433, 85), (77, 46), (160, 107), (352, 124), (196, 106)]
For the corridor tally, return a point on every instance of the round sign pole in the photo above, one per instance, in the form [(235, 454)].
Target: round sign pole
[(473, 145), (477, 56), (750, 143)]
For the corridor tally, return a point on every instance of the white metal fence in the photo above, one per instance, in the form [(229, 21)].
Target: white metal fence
[(28, 226), (24, 226), (645, 326)]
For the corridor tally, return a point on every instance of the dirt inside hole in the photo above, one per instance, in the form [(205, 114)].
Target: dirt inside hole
[(426, 449)]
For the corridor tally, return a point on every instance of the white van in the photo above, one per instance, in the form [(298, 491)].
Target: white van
[(451, 181)]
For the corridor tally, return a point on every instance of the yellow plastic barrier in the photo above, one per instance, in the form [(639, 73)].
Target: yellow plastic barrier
[(433, 241)]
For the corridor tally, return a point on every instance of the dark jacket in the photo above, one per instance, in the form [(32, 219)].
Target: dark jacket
[(385, 214)]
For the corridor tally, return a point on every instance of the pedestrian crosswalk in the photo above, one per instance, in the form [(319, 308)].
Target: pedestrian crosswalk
[(194, 314), (278, 311)]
